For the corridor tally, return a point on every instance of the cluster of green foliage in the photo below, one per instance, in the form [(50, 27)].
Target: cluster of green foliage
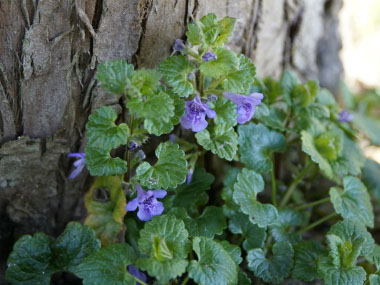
[(292, 168)]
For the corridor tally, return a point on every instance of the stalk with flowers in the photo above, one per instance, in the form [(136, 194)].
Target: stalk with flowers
[(273, 142)]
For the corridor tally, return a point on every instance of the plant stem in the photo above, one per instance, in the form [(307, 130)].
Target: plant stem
[(127, 175), (273, 185), (140, 281), (317, 223), (293, 185), (201, 84), (312, 204), (186, 280)]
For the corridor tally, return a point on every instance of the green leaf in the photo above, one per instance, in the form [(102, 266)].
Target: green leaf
[(169, 171), (243, 279), (340, 276), (248, 185), (145, 82), (257, 144), (275, 269), (106, 218), (193, 195), (102, 131), (209, 31), (226, 62), (175, 70), (330, 144), (241, 78), (104, 135), (309, 147), (158, 106), (351, 159), (221, 139), (350, 231), (273, 118), (159, 127), (254, 236), (369, 126), (114, 75), (108, 266), (288, 81), (304, 94), (34, 259), (283, 228), (233, 250), (306, 257), (30, 261), (374, 256), (73, 245), (214, 264), (210, 223), (230, 208), (353, 202), (99, 162), (374, 279), (226, 112), (272, 89), (371, 178), (165, 242)]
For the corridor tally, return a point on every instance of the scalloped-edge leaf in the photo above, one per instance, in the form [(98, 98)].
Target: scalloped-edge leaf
[(165, 244), (248, 185), (114, 75), (169, 170)]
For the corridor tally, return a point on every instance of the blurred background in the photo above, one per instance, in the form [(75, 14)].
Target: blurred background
[(359, 25)]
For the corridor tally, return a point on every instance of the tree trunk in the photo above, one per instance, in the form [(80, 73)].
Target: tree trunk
[(49, 50)]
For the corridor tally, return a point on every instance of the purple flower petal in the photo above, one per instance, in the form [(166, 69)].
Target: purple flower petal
[(159, 193), (157, 208), (246, 105), (147, 203), (78, 164), (345, 116), (137, 273), (208, 56), (179, 45), (144, 215), (195, 115), (132, 205), (189, 176)]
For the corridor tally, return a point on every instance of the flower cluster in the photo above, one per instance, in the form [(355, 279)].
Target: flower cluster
[(196, 111)]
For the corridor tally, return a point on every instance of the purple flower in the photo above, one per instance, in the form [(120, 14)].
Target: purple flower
[(79, 163), (195, 115), (189, 176), (132, 146), (179, 45), (147, 203), (209, 56), (345, 116), (246, 105), (137, 273)]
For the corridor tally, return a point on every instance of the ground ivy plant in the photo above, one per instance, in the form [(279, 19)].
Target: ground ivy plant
[(210, 175)]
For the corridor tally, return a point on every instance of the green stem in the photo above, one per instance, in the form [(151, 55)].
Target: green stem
[(127, 175), (140, 281), (217, 92), (201, 84), (312, 204), (193, 54), (186, 280), (293, 185), (273, 185), (317, 223)]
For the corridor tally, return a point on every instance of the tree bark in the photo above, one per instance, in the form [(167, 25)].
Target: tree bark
[(49, 50)]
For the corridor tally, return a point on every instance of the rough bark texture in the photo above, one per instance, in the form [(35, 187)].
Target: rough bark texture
[(49, 50)]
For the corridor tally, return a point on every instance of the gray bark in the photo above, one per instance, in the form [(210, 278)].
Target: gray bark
[(49, 50)]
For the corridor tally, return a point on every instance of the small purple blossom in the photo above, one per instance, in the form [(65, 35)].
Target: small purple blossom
[(345, 116), (189, 176), (209, 56), (132, 146), (147, 203), (195, 115), (79, 163), (246, 105), (137, 273), (179, 45)]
